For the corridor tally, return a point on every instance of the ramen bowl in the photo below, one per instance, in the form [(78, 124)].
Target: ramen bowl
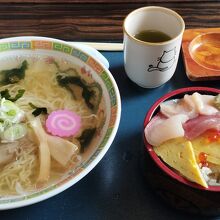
[(88, 72), (172, 187)]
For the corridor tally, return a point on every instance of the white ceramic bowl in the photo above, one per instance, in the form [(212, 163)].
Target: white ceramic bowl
[(14, 49)]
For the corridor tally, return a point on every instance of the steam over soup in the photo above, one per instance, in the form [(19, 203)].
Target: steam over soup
[(50, 114), (185, 134)]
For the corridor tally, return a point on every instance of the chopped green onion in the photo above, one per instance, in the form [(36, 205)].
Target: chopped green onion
[(10, 112), (14, 132)]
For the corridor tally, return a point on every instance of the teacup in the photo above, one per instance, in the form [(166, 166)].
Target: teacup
[(151, 64)]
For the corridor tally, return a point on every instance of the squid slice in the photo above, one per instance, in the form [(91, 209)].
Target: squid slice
[(191, 105), (204, 104)]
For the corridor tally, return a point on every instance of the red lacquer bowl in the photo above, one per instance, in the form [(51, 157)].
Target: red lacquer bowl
[(149, 148)]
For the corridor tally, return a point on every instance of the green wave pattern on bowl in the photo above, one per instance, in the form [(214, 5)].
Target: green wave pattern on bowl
[(64, 48)]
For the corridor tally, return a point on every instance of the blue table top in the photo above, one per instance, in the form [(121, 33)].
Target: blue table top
[(115, 188)]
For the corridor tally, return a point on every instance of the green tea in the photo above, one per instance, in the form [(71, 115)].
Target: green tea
[(153, 36)]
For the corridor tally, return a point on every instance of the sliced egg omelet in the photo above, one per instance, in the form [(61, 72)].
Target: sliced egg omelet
[(179, 154)]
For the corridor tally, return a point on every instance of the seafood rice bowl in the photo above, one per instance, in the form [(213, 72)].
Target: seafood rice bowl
[(182, 136)]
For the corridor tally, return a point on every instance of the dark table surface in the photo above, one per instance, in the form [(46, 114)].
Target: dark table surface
[(116, 187)]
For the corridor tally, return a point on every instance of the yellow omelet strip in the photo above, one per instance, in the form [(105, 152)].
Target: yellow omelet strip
[(178, 153)]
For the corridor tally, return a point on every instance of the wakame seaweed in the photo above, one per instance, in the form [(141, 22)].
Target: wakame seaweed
[(86, 138), (5, 94), (91, 93), (13, 75), (38, 110)]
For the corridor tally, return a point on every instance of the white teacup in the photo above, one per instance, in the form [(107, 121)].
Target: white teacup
[(150, 64)]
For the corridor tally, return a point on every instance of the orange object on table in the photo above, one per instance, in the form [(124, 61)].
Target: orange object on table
[(201, 53)]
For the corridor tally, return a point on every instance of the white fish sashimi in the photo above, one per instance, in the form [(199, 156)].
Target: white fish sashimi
[(175, 107), (161, 129), (204, 104), (191, 105)]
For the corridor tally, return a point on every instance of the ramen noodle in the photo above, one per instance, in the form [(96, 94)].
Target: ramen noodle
[(50, 114)]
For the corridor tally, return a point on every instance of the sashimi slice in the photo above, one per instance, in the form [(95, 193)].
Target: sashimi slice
[(190, 105), (196, 126), (161, 129), (175, 107), (203, 104)]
